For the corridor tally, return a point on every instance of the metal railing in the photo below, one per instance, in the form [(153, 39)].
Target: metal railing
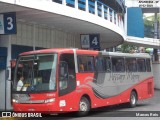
[(148, 41), (95, 7)]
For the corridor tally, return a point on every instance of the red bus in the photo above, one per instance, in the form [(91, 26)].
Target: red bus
[(65, 80)]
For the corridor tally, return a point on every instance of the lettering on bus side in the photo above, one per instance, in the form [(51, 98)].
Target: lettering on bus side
[(132, 76), (117, 77)]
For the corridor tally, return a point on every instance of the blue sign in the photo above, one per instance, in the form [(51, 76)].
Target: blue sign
[(135, 24), (94, 41), (8, 23), (90, 41)]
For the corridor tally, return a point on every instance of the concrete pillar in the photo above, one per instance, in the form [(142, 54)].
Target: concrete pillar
[(34, 37), (8, 80), (125, 22), (155, 51)]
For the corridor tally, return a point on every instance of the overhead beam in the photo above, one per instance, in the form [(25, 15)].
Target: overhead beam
[(151, 10)]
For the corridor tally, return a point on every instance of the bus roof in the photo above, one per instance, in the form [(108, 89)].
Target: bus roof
[(118, 54), (87, 52), (61, 50), (54, 50)]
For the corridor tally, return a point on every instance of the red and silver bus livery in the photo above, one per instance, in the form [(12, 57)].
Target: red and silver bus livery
[(65, 80)]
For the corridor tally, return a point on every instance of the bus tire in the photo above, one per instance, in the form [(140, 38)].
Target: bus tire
[(133, 99), (84, 107)]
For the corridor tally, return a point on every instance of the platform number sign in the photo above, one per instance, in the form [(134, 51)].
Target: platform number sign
[(90, 41), (94, 41), (8, 23)]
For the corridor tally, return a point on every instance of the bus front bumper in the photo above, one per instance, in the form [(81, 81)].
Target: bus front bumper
[(42, 108)]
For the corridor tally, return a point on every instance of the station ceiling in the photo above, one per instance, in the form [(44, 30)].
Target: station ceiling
[(108, 38)]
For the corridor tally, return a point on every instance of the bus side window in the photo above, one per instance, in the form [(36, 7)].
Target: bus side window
[(141, 65), (118, 64), (131, 65), (85, 63), (103, 64), (100, 65), (148, 65), (108, 64)]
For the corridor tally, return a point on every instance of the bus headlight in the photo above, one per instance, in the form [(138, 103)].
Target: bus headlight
[(49, 100), (14, 101)]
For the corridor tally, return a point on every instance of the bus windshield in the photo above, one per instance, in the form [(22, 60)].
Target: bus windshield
[(35, 73)]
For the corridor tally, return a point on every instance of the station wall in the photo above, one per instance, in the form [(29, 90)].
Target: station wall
[(43, 36)]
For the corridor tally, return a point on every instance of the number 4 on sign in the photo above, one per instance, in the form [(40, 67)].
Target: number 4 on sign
[(95, 41)]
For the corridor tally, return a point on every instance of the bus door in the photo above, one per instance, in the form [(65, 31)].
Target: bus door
[(67, 82)]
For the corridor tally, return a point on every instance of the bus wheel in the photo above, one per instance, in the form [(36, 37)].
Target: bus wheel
[(84, 107), (133, 99)]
